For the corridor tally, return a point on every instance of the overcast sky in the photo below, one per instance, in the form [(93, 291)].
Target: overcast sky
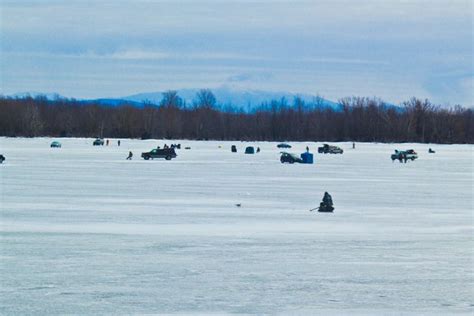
[(392, 49)]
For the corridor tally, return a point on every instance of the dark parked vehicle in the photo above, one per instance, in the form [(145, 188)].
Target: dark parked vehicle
[(329, 149), (250, 150), (290, 158), (283, 145), (166, 153), (98, 142), (2, 158), (404, 155), (55, 144)]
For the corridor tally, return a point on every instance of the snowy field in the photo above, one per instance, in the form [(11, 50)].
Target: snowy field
[(83, 231)]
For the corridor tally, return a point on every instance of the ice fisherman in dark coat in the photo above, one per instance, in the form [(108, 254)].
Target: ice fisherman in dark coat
[(326, 205), (327, 199)]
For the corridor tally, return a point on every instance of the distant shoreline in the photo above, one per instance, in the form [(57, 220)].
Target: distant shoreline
[(177, 140), (356, 120)]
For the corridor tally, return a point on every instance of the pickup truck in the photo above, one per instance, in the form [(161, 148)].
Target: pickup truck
[(166, 153), (404, 155), (329, 149)]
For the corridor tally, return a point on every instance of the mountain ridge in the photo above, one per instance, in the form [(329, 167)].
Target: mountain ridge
[(237, 98), (225, 96)]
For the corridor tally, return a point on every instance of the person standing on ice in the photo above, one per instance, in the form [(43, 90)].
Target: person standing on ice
[(118, 142), (130, 155)]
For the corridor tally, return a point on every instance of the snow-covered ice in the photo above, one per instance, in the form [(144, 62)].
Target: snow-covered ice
[(83, 231)]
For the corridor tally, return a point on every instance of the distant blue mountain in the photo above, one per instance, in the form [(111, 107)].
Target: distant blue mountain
[(225, 96), (114, 102), (246, 99), (56, 96)]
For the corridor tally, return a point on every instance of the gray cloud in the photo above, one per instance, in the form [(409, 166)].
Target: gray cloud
[(391, 49)]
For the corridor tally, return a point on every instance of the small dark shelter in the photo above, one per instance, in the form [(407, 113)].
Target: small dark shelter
[(250, 150)]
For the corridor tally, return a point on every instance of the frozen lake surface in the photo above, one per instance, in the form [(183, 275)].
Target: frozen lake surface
[(83, 231)]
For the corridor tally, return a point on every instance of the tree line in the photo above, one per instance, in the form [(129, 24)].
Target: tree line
[(355, 119)]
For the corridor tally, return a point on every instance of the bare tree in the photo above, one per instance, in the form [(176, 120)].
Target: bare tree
[(356, 119)]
